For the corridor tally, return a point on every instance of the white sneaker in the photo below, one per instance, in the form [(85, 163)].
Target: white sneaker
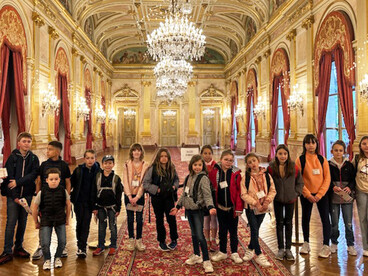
[(325, 252), (352, 250), (47, 265), (65, 253), (235, 257), (139, 245), (219, 257), (37, 254), (333, 248), (194, 259), (248, 255), (365, 253), (207, 265), (131, 244), (58, 263), (262, 260), (305, 248)]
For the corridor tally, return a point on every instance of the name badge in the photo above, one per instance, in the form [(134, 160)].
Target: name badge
[(261, 194), (186, 190), (315, 172), (135, 183), (223, 184)]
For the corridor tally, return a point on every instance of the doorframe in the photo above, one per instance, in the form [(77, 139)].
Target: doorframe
[(207, 105), (121, 108), (160, 110)]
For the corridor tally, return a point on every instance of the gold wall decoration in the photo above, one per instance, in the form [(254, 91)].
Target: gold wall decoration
[(335, 31), (62, 63), (87, 79), (252, 81), (280, 63), (12, 33), (126, 94)]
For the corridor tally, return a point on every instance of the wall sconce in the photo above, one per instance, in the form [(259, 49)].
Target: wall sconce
[(208, 113), (111, 115), (363, 87), (260, 108), (100, 114), (50, 103), (295, 101), (82, 109), (240, 112), (129, 113), (227, 115)]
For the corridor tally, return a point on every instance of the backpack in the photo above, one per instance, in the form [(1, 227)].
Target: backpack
[(196, 186), (247, 180), (100, 189), (302, 161)]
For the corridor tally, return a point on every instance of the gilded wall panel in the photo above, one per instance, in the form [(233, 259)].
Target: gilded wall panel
[(44, 46), (301, 53)]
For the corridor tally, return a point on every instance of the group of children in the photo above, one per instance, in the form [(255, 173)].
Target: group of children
[(214, 196)]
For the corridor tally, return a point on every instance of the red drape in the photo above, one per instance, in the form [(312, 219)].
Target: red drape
[(103, 125), (322, 92), (11, 81), (89, 121), (274, 103), (233, 106), (63, 94), (346, 98), (248, 142)]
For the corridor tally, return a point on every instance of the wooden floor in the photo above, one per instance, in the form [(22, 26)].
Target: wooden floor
[(338, 264)]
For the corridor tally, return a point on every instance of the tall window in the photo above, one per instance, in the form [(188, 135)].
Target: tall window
[(280, 120), (252, 126), (335, 126), (234, 127)]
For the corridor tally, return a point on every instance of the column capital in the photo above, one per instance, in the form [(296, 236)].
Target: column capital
[(258, 60), (83, 59), (291, 35), (74, 52), (146, 83), (53, 33), (267, 53), (37, 19), (308, 22)]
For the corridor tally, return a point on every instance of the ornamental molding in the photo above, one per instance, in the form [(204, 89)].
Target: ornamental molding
[(62, 63), (126, 94), (251, 82), (279, 63), (211, 93), (300, 11)]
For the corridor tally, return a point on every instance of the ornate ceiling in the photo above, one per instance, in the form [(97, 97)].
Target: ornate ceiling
[(117, 25)]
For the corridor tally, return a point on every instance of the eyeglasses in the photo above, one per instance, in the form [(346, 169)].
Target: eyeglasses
[(229, 160)]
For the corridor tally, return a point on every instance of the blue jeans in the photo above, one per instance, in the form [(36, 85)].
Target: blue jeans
[(362, 204), (103, 215), (139, 218), (347, 214), (15, 214), (46, 232), (195, 219), (255, 222)]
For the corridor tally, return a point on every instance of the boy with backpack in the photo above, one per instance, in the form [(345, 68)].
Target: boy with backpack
[(106, 195), (22, 166)]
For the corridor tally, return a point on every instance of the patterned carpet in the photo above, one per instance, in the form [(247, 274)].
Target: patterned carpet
[(155, 262)]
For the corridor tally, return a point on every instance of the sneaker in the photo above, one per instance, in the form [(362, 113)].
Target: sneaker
[(352, 250), (280, 254), (131, 244), (213, 246), (23, 202), (236, 259), (4, 258), (207, 265), (194, 259), (58, 263), (98, 251), (139, 245), (333, 248), (305, 248), (20, 253), (365, 253), (325, 252), (248, 255), (173, 245), (64, 254), (81, 253), (163, 246), (219, 257), (289, 255), (112, 251), (262, 260), (47, 265), (37, 254)]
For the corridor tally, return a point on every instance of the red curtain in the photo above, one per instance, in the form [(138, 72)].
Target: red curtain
[(103, 125), (248, 144), (63, 94), (346, 99), (233, 106), (89, 121), (322, 92), (11, 81), (274, 102)]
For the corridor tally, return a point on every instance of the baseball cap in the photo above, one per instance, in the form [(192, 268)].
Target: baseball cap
[(107, 158)]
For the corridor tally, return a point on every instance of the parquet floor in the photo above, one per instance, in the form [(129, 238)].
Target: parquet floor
[(338, 264)]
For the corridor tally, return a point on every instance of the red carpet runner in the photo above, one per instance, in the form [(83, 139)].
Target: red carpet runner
[(155, 262)]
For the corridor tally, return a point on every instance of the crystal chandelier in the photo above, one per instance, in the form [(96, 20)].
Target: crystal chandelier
[(227, 114), (111, 115), (240, 112), (260, 109), (82, 109), (363, 86), (208, 112), (50, 103), (100, 114), (177, 37), (295, 101), (169, 113), (129, 113)]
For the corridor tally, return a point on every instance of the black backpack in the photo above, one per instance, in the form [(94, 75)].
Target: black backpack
[(247, 180), (302, 161)]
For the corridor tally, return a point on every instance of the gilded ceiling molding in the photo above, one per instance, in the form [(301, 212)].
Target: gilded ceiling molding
[(62, 63), (335, 31), (12, 33), (307, 6)]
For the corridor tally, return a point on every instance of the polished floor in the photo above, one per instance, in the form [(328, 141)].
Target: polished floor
[(338, 264)]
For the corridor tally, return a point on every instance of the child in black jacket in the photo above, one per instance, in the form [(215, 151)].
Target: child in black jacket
[(342, 184), (106, 194)]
